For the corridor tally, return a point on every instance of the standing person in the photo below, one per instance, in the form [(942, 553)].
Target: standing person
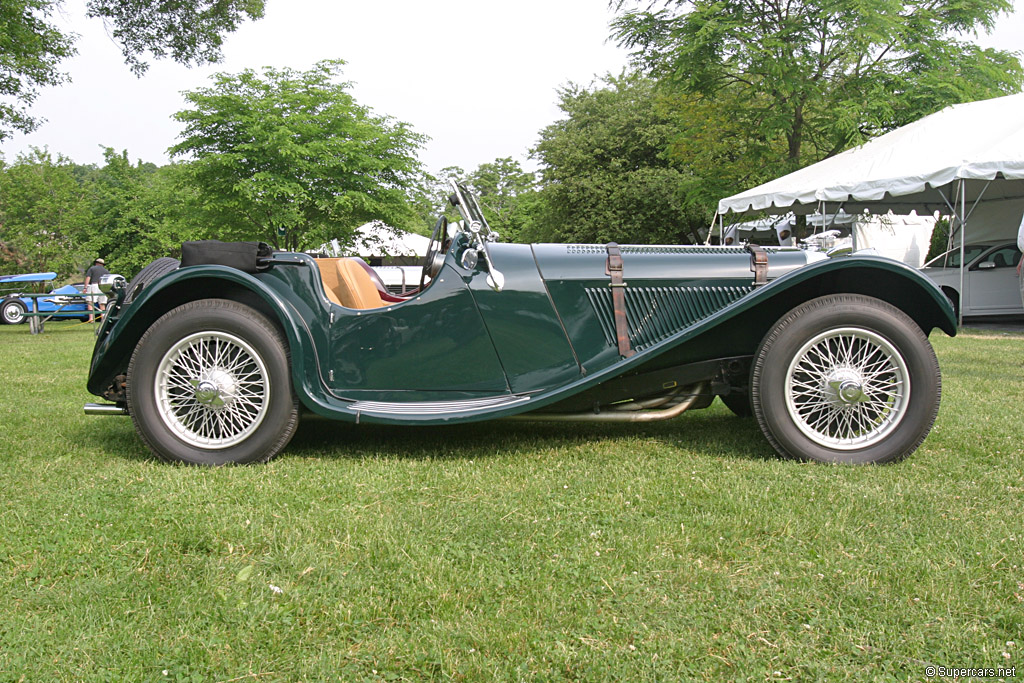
[(1020, 262), (92, 286)]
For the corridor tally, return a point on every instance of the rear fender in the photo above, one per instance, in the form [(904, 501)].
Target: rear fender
[(113, 351)]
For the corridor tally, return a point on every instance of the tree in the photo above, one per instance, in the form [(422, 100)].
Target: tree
[(43, 215), (187, 32), (606, 172), (31, 48), (139, 212), (809, 78), (293, 151), (502, 188), (429, 199)]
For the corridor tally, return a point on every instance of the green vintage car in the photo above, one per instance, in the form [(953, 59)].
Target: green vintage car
[(216, 358)]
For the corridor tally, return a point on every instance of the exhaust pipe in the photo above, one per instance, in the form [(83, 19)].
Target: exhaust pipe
[(638, 411), (105, 409)]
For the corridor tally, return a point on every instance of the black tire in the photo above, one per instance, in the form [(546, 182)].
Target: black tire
[(229, 401), (846, 379), (738, 403), (12, 312), (151, 272)]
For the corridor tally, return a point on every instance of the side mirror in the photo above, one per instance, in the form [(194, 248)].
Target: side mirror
[(986, 265)]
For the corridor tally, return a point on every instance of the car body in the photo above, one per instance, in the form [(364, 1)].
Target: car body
[(64, 302), (990, 279), (214, 364)]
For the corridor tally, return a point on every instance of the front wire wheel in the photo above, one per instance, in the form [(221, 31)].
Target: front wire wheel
[(848, 379), (209, 384)]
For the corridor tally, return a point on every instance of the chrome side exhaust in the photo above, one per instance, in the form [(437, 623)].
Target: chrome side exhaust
[(632, 411), (105, 409)]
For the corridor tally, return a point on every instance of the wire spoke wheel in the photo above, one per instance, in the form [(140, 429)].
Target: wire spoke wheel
[(845, 378), (212, 389), (847, 388), (209, 384)]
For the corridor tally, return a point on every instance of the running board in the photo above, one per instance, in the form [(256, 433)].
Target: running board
[(436, 407)]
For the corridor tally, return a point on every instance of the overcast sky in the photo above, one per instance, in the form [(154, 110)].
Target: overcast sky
[(480, 78)]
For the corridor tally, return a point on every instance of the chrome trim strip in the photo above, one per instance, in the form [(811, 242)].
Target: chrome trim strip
[(436, 407)]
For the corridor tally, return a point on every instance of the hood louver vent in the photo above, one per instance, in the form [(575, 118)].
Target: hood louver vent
[(603, 250), (655, 313)]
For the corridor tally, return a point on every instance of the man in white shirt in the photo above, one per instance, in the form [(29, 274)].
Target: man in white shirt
[(93, 295)]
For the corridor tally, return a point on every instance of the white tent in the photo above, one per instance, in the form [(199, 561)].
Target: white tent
[(904, 238), (966, 161), (377, 239)]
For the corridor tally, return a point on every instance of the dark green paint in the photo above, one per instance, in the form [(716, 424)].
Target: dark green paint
[(526, 332), (434, 343), (461, 341)]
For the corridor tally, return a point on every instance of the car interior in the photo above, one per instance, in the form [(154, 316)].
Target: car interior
[(347, 284)]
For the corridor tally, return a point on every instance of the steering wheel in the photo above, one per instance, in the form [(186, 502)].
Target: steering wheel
[(434, 249)]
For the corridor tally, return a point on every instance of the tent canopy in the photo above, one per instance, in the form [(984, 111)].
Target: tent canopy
[(976, 149), (377, 239)]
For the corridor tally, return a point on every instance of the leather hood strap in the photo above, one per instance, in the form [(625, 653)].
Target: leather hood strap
[(758, 264), (614, 269)]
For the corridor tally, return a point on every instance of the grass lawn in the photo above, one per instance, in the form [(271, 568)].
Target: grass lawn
[(676, 551)]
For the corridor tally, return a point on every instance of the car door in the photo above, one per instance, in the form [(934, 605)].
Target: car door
[(993, 286), (432, 347)]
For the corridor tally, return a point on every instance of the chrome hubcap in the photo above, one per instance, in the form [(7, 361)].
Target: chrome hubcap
[(12, 313), (215, 389), (212, 390), (847, 388)]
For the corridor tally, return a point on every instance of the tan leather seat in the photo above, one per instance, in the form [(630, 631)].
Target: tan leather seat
[(347, 284), (356, 289), (329, 276)]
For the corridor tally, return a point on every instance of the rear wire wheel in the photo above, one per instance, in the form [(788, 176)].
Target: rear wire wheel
[(209, 384), (846, 379)]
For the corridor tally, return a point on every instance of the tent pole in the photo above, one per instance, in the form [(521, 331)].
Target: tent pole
[(963, 241), (978, 200), (953, 214), (711, 229)]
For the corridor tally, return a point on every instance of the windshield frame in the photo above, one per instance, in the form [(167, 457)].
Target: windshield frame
[(470, 211)]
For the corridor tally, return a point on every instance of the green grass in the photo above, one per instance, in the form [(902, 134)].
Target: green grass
[(676, 551)]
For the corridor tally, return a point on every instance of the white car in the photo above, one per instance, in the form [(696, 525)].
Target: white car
[(400, 280), (990, 278)]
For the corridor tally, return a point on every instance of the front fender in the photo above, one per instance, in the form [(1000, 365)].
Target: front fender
[(738, 329), (882, 278), (115, 346)]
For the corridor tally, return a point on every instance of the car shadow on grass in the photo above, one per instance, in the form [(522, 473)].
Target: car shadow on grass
[(713, 432)]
